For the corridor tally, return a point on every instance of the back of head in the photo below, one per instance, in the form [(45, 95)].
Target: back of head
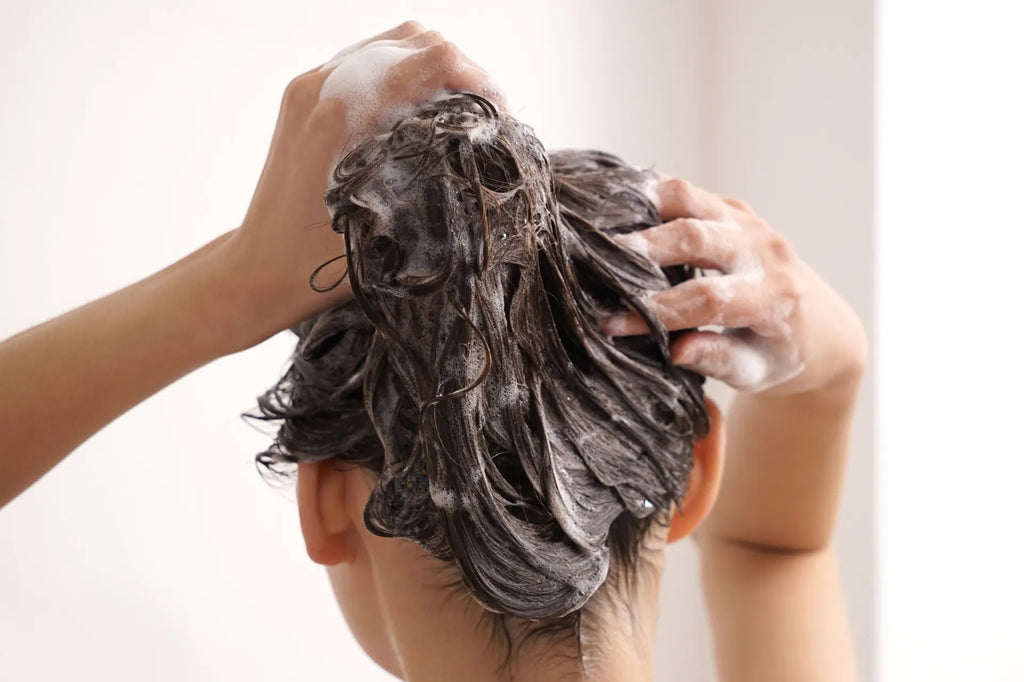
[(511, 435)]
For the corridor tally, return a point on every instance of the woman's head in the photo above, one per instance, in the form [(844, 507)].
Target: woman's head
[(504, 432)]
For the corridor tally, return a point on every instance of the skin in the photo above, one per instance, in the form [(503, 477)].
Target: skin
[(167, 325), (769, 575), (767, 559), (392, 593)]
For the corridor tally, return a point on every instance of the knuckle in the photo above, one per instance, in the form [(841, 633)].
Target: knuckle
[(788, 288), (780, 247), (678, 188), (327, 115), (411, 26), (431, 37), (300, 89), (444, 52), (708, 295), (693, 234)]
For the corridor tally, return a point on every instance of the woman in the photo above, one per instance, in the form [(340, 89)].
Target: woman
[(797, 348)]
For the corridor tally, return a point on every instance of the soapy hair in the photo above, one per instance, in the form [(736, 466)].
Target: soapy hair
[(511, 435)]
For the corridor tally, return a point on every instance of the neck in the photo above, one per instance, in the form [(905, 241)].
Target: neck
[(448, 651), (440, 636)]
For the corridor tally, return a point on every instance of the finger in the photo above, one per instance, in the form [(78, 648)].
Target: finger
[(710, 244), (449, 53), (422, 63), (476, 79), (726, 300), (682, 199), (303, 93), (742, 360), (434, 68), (465, 76), (468, 79), (328, 124)]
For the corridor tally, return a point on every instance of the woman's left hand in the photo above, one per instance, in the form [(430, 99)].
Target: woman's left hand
[(785, 329)]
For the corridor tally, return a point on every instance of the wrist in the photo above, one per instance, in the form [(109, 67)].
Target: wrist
[(834, 401), (257, 295), (835, 388), (216, 312)]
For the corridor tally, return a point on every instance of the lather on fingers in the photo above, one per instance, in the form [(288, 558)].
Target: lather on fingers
[(754, 292), (709, 244), (379, 80), (738, 357), (726, 300)]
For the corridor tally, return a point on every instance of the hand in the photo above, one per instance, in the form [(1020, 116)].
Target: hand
[(286, 233), (786, 330)]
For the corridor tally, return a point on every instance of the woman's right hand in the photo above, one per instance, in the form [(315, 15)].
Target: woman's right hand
[(286, 233), (92, 364)]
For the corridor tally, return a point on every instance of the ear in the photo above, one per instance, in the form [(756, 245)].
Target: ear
[(323, 513), (705, 477)]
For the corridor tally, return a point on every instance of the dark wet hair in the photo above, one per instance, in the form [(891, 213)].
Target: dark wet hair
[(511, 435)]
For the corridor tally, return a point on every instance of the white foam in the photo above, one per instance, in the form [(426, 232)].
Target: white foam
[(635, 242), (344, 52), (748, 363), (650, 190), (508, 395), (756, 368), (358, 77), (722, 288), (484, 132), (447, 499), (755, 361), (668, 313), (745, 367)]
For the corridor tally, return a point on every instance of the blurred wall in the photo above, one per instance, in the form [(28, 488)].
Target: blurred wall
[(788, 126), (131, 133)]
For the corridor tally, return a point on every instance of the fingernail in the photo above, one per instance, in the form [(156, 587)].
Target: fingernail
[(688, 356)]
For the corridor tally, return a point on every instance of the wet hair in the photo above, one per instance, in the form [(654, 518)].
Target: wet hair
[(511, 435)]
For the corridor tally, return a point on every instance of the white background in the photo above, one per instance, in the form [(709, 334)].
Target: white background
[(950, 181), (131, 133)]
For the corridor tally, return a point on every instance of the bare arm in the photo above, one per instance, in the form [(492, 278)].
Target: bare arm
[(796, 351), (767, 563), (784, 469), (63, 380)]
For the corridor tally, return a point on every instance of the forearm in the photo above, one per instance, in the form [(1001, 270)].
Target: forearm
[(784, 467), (776, 616), (63, 380)]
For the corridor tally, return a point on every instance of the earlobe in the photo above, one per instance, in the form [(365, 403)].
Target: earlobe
[(705, 477), (323, 514)]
